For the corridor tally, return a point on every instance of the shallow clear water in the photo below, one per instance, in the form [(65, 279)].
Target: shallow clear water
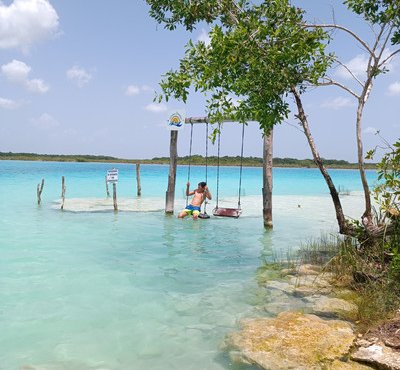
[(139, 290)]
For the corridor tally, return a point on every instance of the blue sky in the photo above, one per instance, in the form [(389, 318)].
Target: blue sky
[(78, 77)]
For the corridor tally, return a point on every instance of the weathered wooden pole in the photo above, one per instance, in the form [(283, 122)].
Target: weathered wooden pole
[(39, 191), (62, 192), (107, 192), (115, 196), (267, 180), (173, 160), (139, 188)]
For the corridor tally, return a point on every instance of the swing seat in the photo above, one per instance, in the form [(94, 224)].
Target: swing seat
[(204, 216), (227, 212)]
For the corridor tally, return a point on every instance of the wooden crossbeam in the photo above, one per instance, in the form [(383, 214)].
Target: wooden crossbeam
[(205, 119)]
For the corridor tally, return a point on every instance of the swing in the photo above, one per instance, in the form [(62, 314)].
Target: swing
[(203, 215), (223, 211)]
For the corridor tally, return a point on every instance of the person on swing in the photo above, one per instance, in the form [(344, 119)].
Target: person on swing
[(199, 195)]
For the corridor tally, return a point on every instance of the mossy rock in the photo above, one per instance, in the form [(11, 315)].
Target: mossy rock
[(291, 340)]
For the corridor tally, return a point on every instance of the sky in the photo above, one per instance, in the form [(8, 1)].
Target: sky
[(79, 77)]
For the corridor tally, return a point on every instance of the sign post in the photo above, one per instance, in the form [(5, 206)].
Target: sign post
[(112, 176)]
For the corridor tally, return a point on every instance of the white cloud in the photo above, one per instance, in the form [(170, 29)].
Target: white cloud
[(157, 108), (204, 37), (147, 88), (357, 65), (18, 72), (370, 130), (8, 104), (37, 85), (45, 122), (26, 22), (132, 90), (337, 103), (394, 88), (234, 100), (79, 75)]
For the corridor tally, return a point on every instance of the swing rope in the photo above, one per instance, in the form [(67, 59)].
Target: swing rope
[(218, 165), (241, 166), (219, 146), (205, 200), (190, 158)]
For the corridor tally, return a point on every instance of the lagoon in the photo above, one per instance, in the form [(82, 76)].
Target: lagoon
[(140, 290)]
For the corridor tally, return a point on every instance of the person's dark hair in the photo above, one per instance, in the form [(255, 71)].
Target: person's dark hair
[(202, 184)]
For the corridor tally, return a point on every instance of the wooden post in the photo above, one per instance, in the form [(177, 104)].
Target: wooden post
[(173, 159), (107, 192), (267, 180), (39, 192), (115, 196), (62, 192), (139, 188)]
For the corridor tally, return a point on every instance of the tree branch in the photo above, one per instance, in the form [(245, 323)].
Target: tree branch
[(349, 70), (330, 82), (389, 57), (336, 26)]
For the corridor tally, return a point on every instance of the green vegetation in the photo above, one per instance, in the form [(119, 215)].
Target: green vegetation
[(371, 266), (194, 160), (261, 53)]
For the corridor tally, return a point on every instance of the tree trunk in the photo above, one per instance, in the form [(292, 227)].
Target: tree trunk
[(343, 225), (139, 187), (39, 192), (367, 216), (267, 179), (170, 195)]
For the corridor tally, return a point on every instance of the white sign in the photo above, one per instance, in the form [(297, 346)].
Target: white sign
[(112, 175), (176, 120)]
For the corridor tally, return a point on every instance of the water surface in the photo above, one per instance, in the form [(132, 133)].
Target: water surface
[(139, 290)]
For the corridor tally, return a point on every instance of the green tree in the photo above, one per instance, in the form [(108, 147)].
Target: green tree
[(262, 53), (383, 17), (256, 54)]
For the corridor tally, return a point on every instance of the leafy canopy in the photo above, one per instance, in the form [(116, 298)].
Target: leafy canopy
[(379, 12), (257, 53)]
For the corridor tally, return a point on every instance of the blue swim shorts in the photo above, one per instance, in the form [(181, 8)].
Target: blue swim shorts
[(192, 210)]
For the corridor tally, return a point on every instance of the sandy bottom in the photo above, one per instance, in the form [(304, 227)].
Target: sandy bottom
[(303, 206)]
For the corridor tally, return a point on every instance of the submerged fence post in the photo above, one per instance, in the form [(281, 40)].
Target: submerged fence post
[(173, 158), (115, 196), (139, 188), (63, 188), (267, 180), (107, 192), (39, 192)]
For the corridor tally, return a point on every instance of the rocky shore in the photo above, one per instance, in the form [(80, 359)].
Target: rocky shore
[(319, 333)]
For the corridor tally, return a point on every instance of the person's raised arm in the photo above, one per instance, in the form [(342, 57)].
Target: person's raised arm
[(207, 193), (188, 192)]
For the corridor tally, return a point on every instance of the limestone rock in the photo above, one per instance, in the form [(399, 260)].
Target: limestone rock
[(309, 290), (291, 340), (280, 285), (378, 355), (333, 307), (348, 365), (307, 285)]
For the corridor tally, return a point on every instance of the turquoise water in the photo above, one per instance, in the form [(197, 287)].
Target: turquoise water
[(133, 290)]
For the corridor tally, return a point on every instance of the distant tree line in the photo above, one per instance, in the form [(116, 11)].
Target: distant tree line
[(194, 160)]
